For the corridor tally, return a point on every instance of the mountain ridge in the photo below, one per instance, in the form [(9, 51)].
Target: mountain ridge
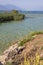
[(9, 7)]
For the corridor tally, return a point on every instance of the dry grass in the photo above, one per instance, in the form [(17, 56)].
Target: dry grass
[(33, 61)]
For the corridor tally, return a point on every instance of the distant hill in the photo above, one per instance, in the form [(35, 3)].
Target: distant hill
[(9, 7)]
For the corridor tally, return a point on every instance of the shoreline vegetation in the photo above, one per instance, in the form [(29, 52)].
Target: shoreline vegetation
[(29, 37), (15, 51), (21, 42), (11, 16)]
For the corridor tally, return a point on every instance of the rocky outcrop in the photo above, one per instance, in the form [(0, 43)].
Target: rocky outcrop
[(6, 18), (10, 53), (11, 16)]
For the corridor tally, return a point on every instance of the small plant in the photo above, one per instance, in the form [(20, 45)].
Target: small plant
[(26, 62), (37, 60), (8, 63), (22, 42)]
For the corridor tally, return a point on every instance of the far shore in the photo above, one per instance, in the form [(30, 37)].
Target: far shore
[(11, 16)]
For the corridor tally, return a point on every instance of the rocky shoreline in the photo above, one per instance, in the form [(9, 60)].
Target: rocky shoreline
[(15, 54), (10, 53)]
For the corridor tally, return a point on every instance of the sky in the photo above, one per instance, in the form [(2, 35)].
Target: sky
[(25, 4)]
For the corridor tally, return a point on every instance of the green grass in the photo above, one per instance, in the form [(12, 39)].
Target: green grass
[(37, 32), (29, 37)]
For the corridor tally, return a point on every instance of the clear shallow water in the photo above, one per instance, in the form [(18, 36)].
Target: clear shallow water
[(16, 30)]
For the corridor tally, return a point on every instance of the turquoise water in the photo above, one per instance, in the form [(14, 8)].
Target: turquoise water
[(12, 31)]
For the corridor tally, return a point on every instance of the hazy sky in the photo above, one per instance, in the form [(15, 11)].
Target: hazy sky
[(25, 4)]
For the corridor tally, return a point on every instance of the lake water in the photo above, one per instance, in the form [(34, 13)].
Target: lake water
[(16, 30)]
